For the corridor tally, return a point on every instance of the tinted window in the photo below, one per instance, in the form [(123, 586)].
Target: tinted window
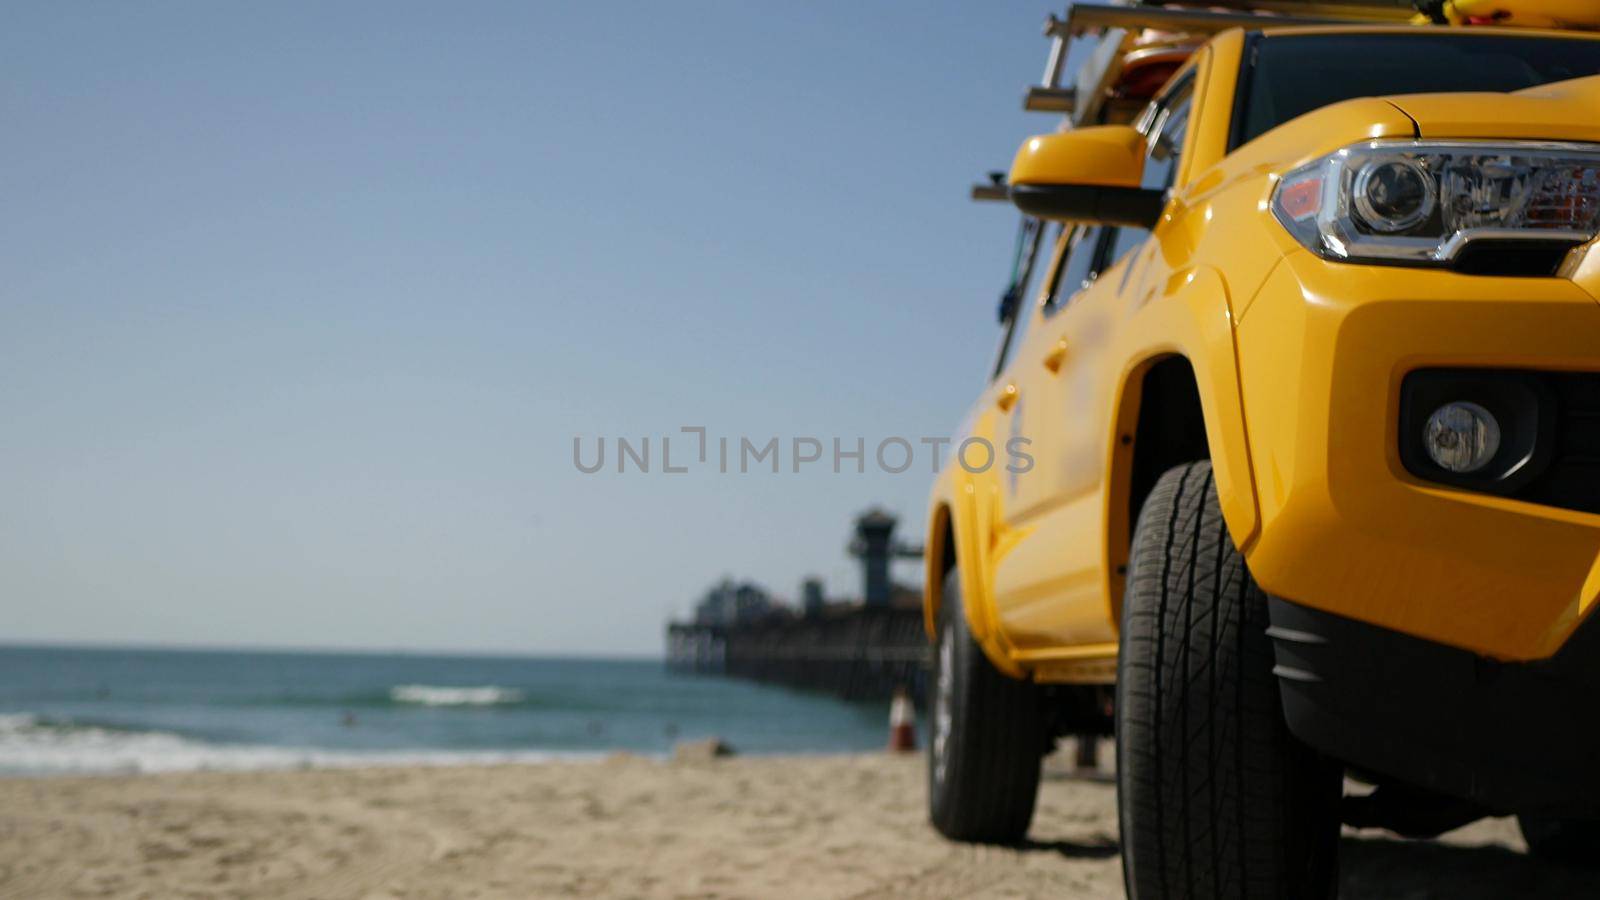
[(1081, 265), (1126, 241), (1160, 167), (1030, 242), (1295, 74)]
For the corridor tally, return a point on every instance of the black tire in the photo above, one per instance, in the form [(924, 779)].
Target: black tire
[(1215, 797), (986, 741), (1573, 843)]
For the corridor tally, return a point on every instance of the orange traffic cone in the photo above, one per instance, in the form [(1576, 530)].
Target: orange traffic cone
[(902, 723)]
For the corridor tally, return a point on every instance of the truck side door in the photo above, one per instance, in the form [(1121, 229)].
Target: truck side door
[(1028, 592), (1048, 578)]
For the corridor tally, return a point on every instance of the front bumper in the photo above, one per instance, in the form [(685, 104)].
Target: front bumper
[(1344, 528), (1513, 737)]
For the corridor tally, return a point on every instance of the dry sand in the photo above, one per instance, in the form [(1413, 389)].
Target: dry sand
[(843, 826)]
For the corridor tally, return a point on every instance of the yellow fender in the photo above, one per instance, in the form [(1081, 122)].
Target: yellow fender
[(965, 503)]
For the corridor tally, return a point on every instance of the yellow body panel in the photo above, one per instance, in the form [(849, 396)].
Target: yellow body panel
[(1345, 528), (1298, 363), (1545, 113)]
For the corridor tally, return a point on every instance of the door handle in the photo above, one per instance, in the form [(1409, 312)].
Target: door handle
[(1056, 356), (1007, 397)]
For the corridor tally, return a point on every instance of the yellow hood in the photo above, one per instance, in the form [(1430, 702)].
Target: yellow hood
[(1563, 111)]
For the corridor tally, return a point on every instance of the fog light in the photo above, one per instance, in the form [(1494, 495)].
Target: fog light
[(1461, 437)]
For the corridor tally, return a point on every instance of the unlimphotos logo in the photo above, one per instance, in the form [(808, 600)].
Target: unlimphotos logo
[(742, 454)]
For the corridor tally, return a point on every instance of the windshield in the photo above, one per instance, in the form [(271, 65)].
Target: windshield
[(1295, 74)]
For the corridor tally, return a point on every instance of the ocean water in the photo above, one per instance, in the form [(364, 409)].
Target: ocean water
[(109, 710)]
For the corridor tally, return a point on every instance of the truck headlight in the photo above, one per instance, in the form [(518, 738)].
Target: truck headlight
[(1393, 196), (1425, 202)]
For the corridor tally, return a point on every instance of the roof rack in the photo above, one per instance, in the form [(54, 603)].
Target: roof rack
[(1141, 43), (1122, 26)]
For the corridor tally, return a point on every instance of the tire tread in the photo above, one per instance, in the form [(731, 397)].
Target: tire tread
[(1204, 757), (996, 742)]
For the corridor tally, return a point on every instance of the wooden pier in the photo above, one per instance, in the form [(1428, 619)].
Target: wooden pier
[(856, 652), (860, 650)]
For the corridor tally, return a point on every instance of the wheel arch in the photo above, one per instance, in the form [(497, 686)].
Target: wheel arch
[(938, 557), (1177, 396), (958, 533)]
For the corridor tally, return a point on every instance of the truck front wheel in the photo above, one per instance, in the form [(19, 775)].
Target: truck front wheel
[(1215, 797), (987, 737)]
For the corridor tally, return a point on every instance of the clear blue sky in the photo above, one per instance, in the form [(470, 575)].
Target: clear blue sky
[(301, 305)]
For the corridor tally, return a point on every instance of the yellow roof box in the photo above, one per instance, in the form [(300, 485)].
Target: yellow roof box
[(1580, 14)]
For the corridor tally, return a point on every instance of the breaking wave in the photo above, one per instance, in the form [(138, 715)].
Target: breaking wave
[(441, 695), (39, 745)]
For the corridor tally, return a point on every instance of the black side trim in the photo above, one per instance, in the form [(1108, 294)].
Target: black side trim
[(1136, 207)]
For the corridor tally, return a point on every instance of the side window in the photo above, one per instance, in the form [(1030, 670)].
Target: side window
[(1125, 241), (1161, 166), (1078, 269), (1170, 124), (1016, 304)]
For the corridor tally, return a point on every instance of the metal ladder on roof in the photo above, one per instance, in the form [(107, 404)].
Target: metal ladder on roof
[(1179, 30), (1119, 25), (1125, 31)]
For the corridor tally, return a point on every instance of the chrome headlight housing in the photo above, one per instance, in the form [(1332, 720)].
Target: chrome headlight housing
[(1423, 202)]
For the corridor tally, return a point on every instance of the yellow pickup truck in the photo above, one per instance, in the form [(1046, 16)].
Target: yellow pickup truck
[(1311, 385)]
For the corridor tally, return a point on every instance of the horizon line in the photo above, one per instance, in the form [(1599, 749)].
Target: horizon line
[(180, 647)]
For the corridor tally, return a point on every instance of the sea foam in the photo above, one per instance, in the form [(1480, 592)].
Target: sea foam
[(442, 695), (35, 745)]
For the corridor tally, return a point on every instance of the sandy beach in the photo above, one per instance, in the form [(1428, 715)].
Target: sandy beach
[(836, 826)]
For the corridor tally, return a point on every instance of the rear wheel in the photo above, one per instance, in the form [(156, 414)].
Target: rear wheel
[(988, 737), (1216, 798), (1562, 840)]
